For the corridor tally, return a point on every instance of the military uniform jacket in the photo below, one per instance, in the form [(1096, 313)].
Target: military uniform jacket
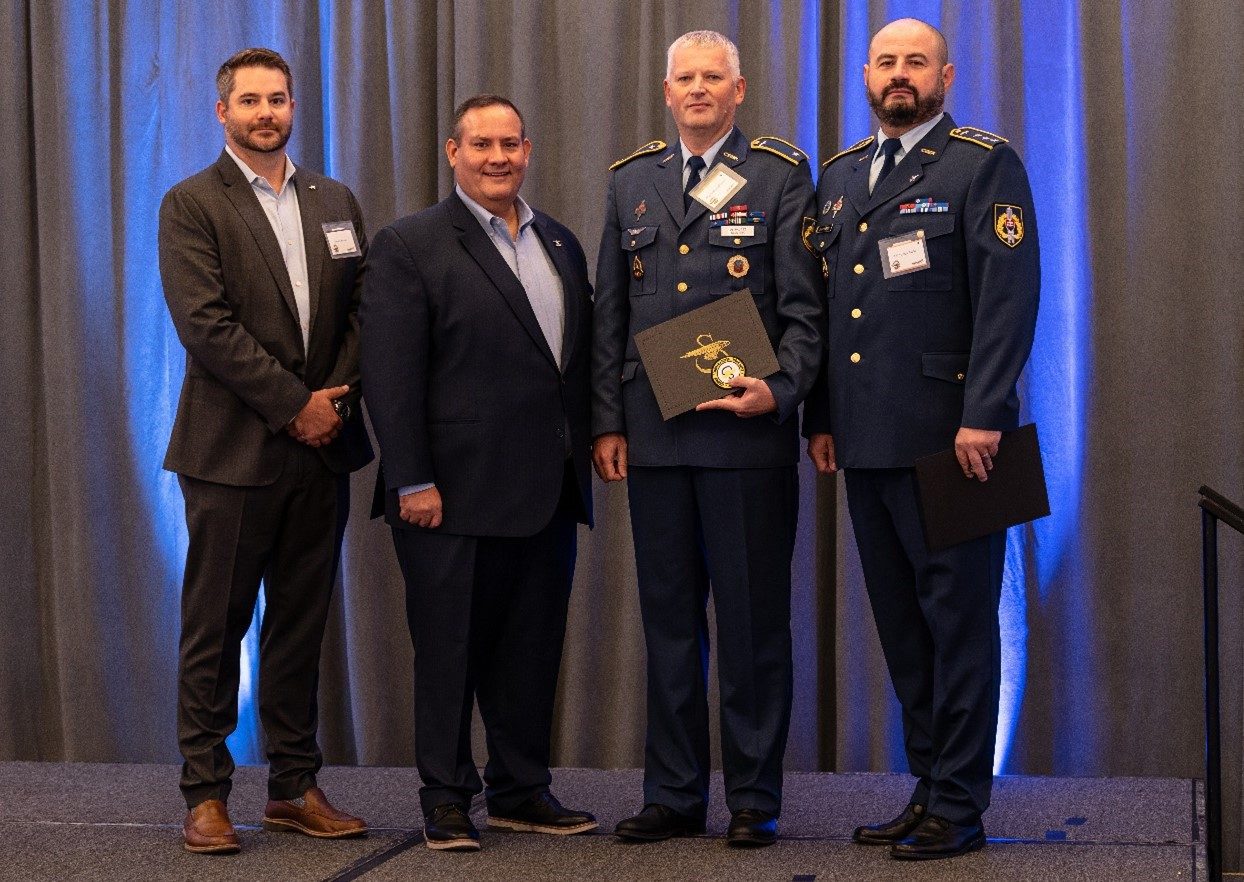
[(912, 358), (655, 263)]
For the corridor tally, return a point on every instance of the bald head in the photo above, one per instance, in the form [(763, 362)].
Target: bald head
[(908, 31), (907, 75)]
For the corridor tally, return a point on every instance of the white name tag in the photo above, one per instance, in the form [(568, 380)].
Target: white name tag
[(749, 230), (903, 254), (341, 240), (718, 186)]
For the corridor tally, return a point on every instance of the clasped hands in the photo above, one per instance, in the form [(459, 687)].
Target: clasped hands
[(317, 423)]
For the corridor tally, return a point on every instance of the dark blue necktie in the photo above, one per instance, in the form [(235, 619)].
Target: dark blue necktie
[(889, 147), (696, 164)]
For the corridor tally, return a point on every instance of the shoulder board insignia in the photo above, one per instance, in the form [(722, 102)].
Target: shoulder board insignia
[(980, 137), (858, 145), (650, 147), (778, 147)]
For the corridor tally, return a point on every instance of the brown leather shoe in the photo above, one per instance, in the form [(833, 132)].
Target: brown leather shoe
[(208, 829), (312, 815)]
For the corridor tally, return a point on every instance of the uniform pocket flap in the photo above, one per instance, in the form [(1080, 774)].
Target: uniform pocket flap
[(629, 369), (949, 366), (824, 236), (933, 224), (638, 237)]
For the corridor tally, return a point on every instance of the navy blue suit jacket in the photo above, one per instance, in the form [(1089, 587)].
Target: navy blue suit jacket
[(644, 220), (459, 381), (912, 358)]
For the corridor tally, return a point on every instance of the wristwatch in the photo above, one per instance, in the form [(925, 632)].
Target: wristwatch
[(342, 408)]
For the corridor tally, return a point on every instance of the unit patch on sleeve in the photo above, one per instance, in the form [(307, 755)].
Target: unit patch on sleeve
[(1008, 223)]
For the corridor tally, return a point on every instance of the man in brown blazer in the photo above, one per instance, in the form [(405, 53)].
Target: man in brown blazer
[(262, 270)]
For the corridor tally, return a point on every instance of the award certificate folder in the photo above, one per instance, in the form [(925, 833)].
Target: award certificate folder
[(693, 357), (955, 508)]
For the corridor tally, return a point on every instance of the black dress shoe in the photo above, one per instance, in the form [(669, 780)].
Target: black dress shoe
[(891, 831), (938, 838), (751, 828), (543, 814), (448, 828), (657, 822)]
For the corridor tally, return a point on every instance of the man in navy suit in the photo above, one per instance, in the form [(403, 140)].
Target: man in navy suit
[(928, 243), (713, 493), (476, 323)]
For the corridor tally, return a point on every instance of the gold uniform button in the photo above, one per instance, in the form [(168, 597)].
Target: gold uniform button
[(960, 376), (855, 358), (633, 243), (684, 249), (864, 227), (859, 269), (682, 287), (738, 241), (857, 312)]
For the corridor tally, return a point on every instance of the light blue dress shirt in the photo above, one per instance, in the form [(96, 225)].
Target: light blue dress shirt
[(709, 156), (907, 139), (285, 217)]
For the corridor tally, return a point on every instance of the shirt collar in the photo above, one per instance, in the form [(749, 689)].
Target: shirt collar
[(486, 217), (251, 175), (910, 138), (708, 155)]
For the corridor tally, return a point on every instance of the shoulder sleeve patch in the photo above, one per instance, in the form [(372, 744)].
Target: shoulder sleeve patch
[(778, 147), (650, 147), (858, 145), (980, 137)]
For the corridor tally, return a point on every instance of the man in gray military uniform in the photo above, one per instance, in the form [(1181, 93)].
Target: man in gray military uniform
[(929, 247), (714, 492)]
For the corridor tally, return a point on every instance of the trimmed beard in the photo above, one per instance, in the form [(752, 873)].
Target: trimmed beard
[(908, 115), (244, 138)]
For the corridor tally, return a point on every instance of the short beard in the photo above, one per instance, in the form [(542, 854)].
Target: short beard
[(244, 139), (906, 116)]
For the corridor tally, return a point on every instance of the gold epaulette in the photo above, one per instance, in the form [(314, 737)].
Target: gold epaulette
[(858, 145), (650, 147), (778, 147), (980, 137)]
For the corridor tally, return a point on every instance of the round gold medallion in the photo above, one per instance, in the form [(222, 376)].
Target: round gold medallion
[(737, 266), (726, 369)]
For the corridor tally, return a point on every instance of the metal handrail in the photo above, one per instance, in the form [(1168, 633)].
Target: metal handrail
[(1214, 508)]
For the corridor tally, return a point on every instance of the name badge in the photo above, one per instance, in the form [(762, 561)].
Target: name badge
[(903, 254), (718, 186), (748, 230), (342, 242)]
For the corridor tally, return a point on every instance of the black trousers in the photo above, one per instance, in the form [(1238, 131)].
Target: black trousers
[(937, 617), (733, 529), (487, 618), (287, 535)]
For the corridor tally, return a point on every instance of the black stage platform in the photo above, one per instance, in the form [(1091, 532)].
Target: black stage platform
[(77, 821)]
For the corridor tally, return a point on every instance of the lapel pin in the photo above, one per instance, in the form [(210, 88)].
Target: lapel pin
[(310, 186), (557, 242), (641, 209)]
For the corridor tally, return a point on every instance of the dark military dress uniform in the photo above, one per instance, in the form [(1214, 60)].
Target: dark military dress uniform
[(910, 360), (713, 497)]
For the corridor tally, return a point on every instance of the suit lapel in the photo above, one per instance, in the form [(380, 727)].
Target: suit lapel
[(480, 247), (311, 211), (669, 182), (239, 193), (857, 183), (557, 252)]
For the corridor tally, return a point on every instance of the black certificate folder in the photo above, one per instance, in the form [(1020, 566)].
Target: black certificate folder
[(955, 508), (693, 357)]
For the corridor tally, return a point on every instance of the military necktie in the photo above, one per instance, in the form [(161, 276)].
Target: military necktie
[(889, 147), (696, 165)]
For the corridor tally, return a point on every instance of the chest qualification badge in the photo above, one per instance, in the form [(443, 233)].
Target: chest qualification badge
[(641, 209), (722, 366), (637, 267), (738, 266), (1008, 223)]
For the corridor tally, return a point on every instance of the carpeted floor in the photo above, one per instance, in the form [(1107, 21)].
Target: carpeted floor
[(123, 822)]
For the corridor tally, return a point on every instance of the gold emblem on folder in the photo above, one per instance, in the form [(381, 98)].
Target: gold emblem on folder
[(722, 366)]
